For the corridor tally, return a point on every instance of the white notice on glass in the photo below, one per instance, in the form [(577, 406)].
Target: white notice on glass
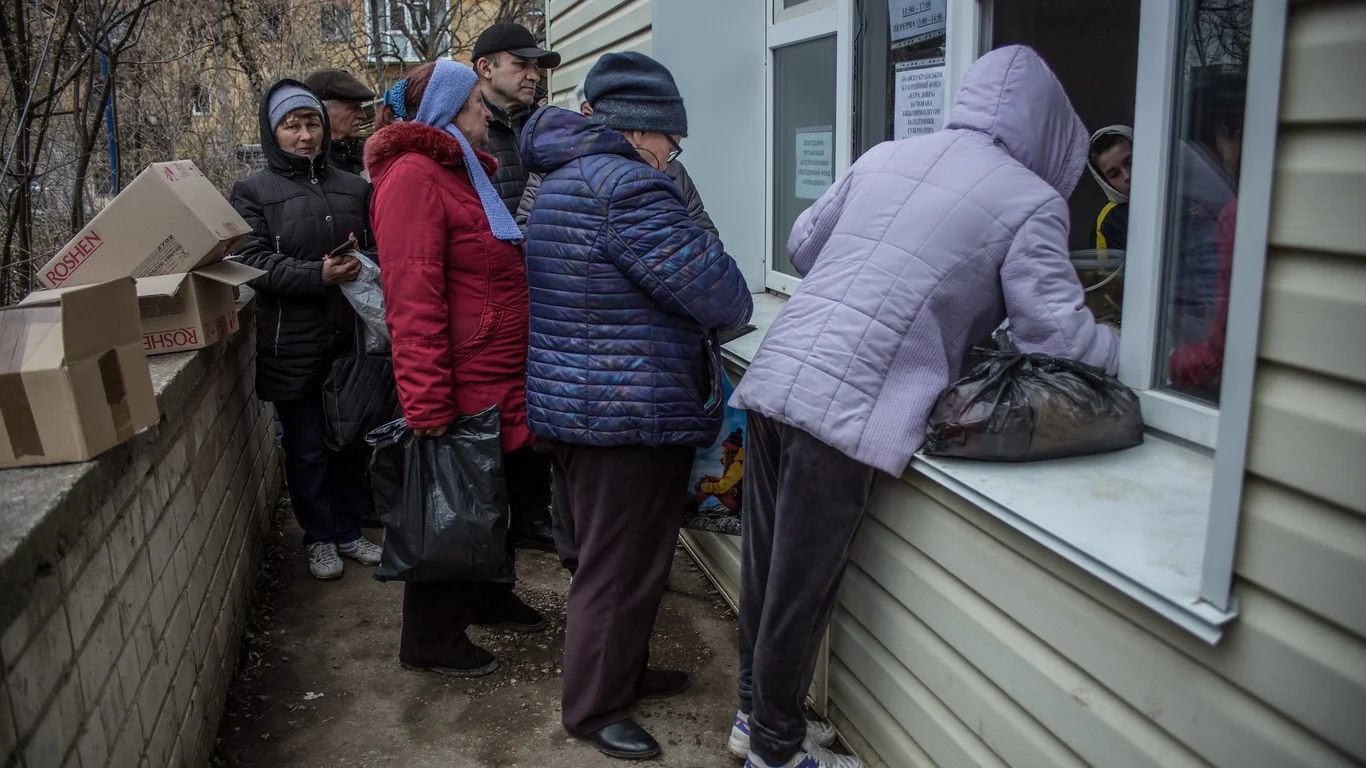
[(815, 161), (919, 100), (917, 20)]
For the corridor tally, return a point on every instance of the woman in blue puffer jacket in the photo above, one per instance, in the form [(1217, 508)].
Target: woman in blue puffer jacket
[(623, 377)]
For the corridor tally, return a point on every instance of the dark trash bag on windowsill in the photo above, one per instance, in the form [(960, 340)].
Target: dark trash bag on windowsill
[(443, 502), (1017, 407)]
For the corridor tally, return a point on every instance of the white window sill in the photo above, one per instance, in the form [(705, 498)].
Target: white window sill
[(1136, 519)]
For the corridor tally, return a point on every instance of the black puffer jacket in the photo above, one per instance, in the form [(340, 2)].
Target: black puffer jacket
[(505, 134), (299, 209), (347, 155)]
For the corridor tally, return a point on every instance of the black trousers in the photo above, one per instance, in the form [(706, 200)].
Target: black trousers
[(626, 506), (436, 614), (803, 503), (533, 498), (329, 490)]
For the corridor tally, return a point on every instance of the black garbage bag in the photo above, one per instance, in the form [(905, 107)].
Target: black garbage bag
[(442, 501), (1029, 407)]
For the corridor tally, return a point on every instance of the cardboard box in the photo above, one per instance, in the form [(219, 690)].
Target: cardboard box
[(191, 310), (170, 220), (73, 379), (184, 311)]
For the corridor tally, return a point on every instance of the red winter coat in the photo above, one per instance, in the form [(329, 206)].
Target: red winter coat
[(455, 297), (1200, 365)]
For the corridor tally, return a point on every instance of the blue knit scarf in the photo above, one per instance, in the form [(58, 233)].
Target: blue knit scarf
[(446, 93)]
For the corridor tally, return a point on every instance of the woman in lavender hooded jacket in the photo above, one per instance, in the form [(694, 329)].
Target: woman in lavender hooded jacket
[(923, 247)]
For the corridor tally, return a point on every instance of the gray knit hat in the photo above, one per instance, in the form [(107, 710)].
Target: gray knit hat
[(288, 98), (633, 92)]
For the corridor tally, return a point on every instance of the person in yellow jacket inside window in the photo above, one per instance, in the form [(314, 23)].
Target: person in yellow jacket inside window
[(726, 488), (1110, 162)]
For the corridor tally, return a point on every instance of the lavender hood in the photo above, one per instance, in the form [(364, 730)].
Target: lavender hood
[(921, 249)]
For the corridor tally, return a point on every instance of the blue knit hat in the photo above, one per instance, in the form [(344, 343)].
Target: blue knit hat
[(288, 98), (447, 91), (633, 92)]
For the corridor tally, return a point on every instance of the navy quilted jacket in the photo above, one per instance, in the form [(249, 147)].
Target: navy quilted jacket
[(626, 293)]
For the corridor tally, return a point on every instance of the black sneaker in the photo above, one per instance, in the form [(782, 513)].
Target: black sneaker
[(472, 662), (509, 612)]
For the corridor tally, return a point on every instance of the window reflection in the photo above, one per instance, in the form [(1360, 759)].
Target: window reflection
[(804, 144), (1202, 213)]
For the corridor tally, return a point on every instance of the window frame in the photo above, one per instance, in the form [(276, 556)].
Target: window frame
[(344, 11), (1155, 130), (389, 36), (1170, 417), (827, 19), (968, 31)]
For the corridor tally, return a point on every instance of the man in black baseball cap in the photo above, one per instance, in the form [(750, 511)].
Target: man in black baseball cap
[(345, 97), (509, 64)]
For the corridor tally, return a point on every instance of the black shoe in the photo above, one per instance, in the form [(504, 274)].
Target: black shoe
[(663, 683), (536, 535), (509, 612), (624, 740), (473, 662)]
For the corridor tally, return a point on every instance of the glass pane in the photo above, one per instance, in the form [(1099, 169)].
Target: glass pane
[(902, 45), (1210, 94), (787, 10), (1093, 49), (804, 147)]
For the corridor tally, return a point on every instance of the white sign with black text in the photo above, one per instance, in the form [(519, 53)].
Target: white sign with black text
[(919, 102), (815, 161), (917, 20)]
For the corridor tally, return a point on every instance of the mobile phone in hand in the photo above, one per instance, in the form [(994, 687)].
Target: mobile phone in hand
[(344, 248)]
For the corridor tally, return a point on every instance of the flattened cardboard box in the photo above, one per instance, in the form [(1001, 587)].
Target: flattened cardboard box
[(185, 311), (169, 220), (73, 379)]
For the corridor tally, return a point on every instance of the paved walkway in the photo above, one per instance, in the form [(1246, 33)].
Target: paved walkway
[(319, 682)]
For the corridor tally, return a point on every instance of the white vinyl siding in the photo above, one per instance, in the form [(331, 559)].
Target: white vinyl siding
[(960, 642), (583, 30)]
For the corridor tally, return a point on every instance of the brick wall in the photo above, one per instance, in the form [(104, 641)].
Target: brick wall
[(128, 584)]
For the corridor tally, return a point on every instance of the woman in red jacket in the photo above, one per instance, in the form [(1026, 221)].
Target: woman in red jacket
[(455, 295)]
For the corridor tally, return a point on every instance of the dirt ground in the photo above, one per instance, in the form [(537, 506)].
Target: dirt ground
[(319, 684)]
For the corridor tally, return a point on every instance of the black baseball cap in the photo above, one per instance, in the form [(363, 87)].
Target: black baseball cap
[(516, 40)]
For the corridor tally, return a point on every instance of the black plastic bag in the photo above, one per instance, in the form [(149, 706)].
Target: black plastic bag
[(443, 502), (1017, 407)]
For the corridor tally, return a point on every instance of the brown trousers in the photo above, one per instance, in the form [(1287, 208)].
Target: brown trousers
[(625, 506)]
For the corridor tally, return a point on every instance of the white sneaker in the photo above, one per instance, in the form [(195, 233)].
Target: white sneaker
[(361, 550), (818, 732), (323, 561), (810, 756)]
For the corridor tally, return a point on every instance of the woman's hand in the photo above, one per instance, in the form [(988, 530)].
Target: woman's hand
[(430, 432), (340, 269)]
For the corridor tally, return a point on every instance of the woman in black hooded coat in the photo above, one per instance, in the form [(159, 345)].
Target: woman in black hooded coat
[(300, 210)]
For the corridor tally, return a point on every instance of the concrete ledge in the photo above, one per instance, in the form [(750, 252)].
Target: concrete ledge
[(42, 507), (126, 577)]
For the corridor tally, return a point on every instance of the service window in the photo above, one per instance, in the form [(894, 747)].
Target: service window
[(1154, 235)]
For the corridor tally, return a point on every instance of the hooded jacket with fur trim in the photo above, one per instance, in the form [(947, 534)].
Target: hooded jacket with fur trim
[(455, 297)]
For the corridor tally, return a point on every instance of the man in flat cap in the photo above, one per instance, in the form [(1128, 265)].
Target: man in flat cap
[(345, 97)]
